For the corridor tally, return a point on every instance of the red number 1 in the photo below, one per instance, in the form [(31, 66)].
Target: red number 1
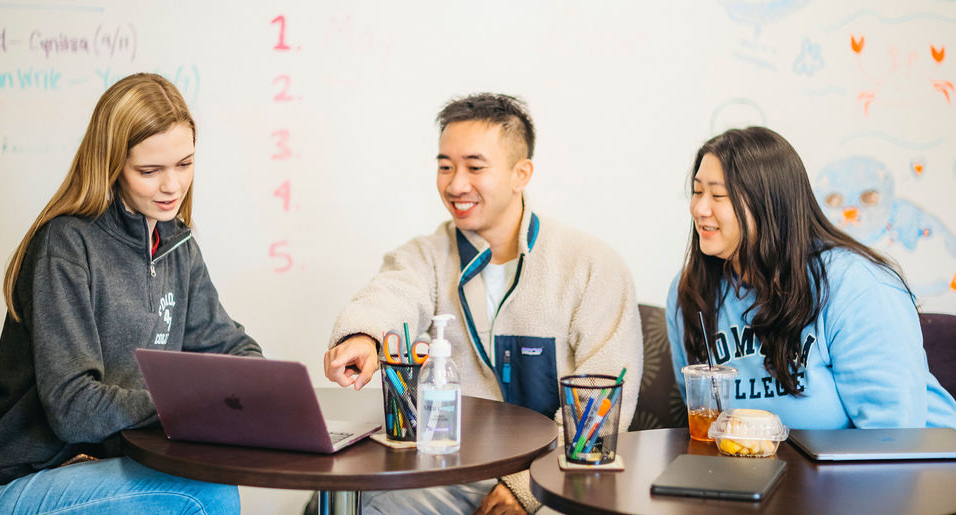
[(281, 44)]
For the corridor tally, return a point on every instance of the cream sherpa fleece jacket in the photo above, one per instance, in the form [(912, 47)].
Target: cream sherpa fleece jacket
[(571, 310)]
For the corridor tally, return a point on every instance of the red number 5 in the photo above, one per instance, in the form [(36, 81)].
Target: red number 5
[(284, 256)]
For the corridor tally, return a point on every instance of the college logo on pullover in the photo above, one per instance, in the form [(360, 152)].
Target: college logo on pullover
[(165, 302), (746, 345)]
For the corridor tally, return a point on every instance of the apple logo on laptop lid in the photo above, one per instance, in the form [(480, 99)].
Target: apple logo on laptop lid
[(233, 402)]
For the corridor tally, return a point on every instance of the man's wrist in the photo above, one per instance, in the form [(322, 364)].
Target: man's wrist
[(378, 346)]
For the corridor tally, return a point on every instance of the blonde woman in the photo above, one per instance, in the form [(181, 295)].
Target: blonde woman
[(108, 266)]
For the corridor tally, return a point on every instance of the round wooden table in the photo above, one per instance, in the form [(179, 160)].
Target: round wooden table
[(497, 439), (927, 486)]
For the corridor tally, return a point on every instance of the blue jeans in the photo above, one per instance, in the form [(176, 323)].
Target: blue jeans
[(114, 486)]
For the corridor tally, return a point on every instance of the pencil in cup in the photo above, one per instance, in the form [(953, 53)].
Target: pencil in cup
[(399, 382), (590, 434)]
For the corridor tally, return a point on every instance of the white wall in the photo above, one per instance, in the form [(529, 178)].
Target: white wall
[(622, 93)]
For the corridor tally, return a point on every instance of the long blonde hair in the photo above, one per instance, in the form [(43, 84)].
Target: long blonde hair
[(133, 109)]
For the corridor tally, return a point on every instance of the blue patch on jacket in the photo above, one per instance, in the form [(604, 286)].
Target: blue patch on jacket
[(528, 371)]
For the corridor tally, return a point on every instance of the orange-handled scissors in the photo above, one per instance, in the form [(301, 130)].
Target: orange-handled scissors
[(392, 338), (420, 351)]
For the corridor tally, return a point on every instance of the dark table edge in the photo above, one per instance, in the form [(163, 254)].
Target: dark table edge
[(295, 481), (560, 504)]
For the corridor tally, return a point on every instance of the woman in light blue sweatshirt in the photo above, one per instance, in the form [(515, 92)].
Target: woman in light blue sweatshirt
[(823, 330)]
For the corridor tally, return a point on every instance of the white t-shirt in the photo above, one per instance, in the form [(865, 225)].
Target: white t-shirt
[(497, 280)]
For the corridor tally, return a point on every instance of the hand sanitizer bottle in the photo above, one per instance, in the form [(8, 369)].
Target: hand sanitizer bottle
[(439, 396)]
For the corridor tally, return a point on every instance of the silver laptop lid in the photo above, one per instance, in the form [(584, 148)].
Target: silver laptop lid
[(876, 444)]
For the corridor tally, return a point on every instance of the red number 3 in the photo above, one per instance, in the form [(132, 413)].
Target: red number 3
[(283, 151)]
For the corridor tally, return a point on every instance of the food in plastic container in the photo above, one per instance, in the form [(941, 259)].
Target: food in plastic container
[(748, 432)]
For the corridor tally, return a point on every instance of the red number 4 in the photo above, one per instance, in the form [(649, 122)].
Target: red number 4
[(284, 191)]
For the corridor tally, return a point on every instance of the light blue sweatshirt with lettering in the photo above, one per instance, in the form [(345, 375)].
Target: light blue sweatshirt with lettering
[(862, 362)]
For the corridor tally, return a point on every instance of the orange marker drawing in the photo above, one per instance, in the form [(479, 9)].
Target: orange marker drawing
[(867, 98), (857, 45), (917, 168), (953, 284), (851, 214), (945, 87), (938, 55)]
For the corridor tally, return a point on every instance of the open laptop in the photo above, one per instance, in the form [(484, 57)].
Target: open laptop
[(238, 400), (876, 444)]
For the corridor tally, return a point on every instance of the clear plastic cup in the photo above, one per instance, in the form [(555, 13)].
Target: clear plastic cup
[(704, 385), (748, 432)]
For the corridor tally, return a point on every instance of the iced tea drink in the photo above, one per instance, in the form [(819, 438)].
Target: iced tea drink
[(699, 421), (704, 386)]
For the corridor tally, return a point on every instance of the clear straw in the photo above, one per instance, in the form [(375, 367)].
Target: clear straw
[(710, 361)]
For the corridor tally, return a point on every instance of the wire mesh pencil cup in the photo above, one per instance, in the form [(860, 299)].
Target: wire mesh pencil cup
[(399, 392), (591, 409)]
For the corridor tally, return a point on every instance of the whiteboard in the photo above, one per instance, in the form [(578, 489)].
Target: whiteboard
[(316, 133)]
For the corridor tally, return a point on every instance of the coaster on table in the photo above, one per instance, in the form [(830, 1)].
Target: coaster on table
[(614, 466), (394, 444)]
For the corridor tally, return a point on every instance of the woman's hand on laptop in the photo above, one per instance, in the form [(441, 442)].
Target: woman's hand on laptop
[(353, 361)]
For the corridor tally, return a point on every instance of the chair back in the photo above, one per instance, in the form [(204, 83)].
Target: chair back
[(939, 341), (659, 403)]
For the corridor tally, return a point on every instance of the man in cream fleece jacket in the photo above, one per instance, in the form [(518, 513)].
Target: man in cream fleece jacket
[(533, 299)]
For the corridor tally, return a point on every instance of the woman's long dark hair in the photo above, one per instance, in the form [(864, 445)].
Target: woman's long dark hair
[(779, 256)]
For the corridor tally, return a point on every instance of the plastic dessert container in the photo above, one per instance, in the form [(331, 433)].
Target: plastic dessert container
[(748, 432)]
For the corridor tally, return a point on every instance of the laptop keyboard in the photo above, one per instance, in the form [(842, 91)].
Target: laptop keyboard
[(337, 436)]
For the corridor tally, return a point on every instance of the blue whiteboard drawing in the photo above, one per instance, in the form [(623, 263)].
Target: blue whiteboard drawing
[(857, 195), (758, 13), (810, 59)]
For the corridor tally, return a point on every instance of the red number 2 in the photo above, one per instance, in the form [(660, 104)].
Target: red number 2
[(283, 94)]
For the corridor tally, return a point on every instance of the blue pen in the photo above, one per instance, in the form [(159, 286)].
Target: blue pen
[(584, 417), (410, 413), (569, 398), (393, 377), (402, 393)]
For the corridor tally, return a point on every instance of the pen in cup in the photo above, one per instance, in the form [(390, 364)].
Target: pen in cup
[(408, 345), (583, 420), (402, 393), (404, 407), (597, 429), (582, 439), (570, 397)]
